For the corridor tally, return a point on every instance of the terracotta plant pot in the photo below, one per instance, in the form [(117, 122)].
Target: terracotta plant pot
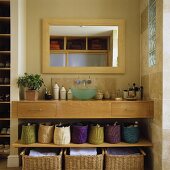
[(31, 95)]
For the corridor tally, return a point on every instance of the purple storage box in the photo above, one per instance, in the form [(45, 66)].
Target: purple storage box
[(79, 134), (112, 133)]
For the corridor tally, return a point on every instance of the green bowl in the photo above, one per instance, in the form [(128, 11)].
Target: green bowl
[(83, 94)]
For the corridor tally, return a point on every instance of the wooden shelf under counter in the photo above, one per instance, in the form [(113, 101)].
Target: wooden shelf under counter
[(141, 143)]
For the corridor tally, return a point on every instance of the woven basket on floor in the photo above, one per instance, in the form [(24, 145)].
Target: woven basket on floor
[(41, 163), (87, 162), (124, 162)]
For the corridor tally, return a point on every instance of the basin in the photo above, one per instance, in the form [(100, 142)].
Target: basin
[(83, 93)]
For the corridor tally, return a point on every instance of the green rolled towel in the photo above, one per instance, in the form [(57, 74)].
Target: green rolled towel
[(96, 134), (28, 134)]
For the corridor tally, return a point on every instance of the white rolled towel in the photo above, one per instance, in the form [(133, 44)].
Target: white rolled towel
[(35, 153), (83, 151)]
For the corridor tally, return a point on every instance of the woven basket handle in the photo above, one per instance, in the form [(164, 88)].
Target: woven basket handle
[(23, 152), (143, 153)]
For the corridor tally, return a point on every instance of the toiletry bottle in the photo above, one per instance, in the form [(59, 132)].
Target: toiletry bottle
[(63, 93), (69, 94), (56, 91)]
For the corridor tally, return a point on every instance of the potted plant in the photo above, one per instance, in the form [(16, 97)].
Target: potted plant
[(32, 83)]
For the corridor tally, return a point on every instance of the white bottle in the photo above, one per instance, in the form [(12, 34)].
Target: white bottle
[(63, 93), (69, 94), (56, 91)]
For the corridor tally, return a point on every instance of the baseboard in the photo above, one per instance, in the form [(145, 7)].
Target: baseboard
[(13, 161)]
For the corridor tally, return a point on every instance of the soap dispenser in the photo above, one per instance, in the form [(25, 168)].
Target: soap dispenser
[(56, 91), (63, 93)]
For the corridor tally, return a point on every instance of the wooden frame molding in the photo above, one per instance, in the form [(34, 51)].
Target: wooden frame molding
[(46, 68)]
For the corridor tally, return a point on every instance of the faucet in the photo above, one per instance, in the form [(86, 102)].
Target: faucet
[(84, 81)]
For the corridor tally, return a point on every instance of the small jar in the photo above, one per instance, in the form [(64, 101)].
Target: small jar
[(48, 95), (125, 94), (113, 95), (106, 95), (99, 95)]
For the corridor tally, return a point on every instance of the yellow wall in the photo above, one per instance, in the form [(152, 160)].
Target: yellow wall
[(79, 9)]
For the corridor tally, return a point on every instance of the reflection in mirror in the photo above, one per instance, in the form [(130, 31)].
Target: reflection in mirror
[(86, 60), (83, 46), (98, 45)]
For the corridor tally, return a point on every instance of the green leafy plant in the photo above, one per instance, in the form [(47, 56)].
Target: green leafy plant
[(30, 81)]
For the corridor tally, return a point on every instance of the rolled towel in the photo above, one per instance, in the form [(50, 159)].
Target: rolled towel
[(123, 151), (83, 151), (35, 153)]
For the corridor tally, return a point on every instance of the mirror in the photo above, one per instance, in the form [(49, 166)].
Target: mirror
[(83, 46)]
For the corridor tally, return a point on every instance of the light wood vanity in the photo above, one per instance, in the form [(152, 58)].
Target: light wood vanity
[(74, 109)]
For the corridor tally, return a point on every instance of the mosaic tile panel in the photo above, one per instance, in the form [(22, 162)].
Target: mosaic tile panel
[(152, 33)]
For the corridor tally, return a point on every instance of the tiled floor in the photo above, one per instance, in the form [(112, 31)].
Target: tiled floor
[(3, 165)]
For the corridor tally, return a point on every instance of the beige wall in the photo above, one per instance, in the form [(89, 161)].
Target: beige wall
[(101, 9), (166, 85), (152, 80)]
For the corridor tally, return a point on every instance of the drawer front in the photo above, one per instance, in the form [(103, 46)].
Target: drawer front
[(36, 110), (132, 109), (83, 109)]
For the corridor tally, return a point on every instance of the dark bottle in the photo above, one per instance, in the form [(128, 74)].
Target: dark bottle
[(134, 89), (141, 89)]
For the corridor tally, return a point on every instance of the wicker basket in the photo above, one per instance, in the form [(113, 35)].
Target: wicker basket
[(79, 133), (45, 133), (124, 162), (41, 163), (88, 162), (62, 135), (131, 134), (28, 134), (96, 134), (112, 134)]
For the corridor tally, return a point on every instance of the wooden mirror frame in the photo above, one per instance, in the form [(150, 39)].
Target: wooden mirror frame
[(46, 68)]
